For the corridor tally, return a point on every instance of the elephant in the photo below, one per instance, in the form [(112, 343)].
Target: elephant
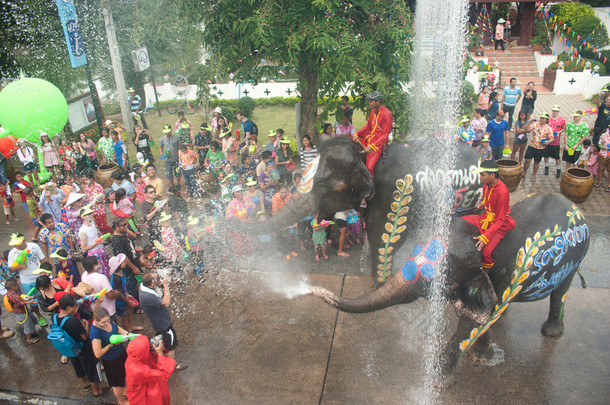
[(537, 259)]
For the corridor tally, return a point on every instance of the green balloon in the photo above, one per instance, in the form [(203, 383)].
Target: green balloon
[(29, 106)]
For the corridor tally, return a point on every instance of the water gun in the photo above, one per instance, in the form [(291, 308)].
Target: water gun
[(92, 297), (324, 223), (118, 339), (179, 168), (21, 186), (101, 239), (29, 296), (591, 111), (22, 258), (159, 203)]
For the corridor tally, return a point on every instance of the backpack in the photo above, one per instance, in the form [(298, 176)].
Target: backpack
[(254, 128), (63, 342)]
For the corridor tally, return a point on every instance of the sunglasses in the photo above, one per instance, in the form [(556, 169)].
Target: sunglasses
[(151, 192)]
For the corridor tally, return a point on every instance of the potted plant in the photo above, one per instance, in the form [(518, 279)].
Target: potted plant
[(537, 43)]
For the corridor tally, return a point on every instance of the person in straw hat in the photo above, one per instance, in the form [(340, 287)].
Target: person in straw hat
[(576, 133)]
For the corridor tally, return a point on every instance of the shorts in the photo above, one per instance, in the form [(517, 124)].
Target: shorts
[(86, 365), (570, 159), (551, 151), (30, 167), (533, 153), (36, 222), (121, 310), (170, 339), (7, 210), (528, 109), (341, 223), (170, 169), (115, 370), (26, 321), (522, 141)]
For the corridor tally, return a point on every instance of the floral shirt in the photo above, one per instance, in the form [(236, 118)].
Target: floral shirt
[(604, 144), (558, 125), (187, 158), (57, 240), (92, 191), (107, 147), (277, 203), (575, 133), (486, 153), (538, 134), (240, 209), (170, 242), (140, 187)]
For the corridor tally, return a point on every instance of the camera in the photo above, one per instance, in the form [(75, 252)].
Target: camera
[(154, 342)]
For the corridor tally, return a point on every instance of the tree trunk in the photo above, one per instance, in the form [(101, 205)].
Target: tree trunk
[(308, 77)]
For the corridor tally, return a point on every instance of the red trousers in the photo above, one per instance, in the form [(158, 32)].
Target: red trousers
[(494, 239), (372, 158)]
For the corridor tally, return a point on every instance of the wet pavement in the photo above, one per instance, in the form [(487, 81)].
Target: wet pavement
[(245, 342)]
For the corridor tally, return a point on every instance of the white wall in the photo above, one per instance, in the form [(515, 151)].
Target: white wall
[(584, 83), (542, 61)]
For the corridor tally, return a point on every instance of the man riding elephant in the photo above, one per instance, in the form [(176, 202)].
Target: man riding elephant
[(496, 220)]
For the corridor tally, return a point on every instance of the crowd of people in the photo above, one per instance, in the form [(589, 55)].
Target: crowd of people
[(548, 137)]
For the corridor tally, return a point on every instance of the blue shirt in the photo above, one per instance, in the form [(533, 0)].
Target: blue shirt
[(247, 126), (496, 130), (510, 95), (134, 103), (119, 151), (97, 333)]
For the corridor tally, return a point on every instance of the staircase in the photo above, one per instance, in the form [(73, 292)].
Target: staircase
[(518, 62)]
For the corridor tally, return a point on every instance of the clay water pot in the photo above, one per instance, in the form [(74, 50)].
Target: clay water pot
[(104, 172), (205, 180), (576, 184), (510, 173)]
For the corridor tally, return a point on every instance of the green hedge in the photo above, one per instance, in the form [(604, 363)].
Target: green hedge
[(576, 67)]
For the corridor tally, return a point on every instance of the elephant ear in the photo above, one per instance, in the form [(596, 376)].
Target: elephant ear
[(477, 298)]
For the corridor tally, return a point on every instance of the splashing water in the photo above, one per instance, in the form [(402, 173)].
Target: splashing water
[(289, 285), (437, 74)]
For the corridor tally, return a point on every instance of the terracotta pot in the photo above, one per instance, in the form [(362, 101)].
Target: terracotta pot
[(104, 172), (205, 180), (537, 47), (510, 173), (576, 184)]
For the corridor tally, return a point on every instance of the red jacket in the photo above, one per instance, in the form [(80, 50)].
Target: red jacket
[(497, 211), (147, 374), (377, 129)]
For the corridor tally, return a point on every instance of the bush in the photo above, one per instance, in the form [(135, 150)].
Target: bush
[(570, 13), (576, 67), (246, 104), (467, 95), (585, 26)]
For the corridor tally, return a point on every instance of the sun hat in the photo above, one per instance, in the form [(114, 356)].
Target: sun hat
[(131, 90), (167, 128), (43, 134), (83, 289), (164, 217), (501, 21), (485, 138), (284, 140), (271, 133), (192, 220), (251, 182), (236, 188), (85, 211), (108, 122), (184, 125), (487, 166), (606, 87), (556, 107), (208, 128), (115, 262), (40, 271), (544, 115), (218, 110), (60, 254), (465, 118), (74, 197), (577, 113), (376, 95), (16, 240)]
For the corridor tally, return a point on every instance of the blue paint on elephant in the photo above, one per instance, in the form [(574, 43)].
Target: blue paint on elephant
[(423, 260), (542, 287)]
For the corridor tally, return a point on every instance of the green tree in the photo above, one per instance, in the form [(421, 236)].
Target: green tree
[(328, 43)]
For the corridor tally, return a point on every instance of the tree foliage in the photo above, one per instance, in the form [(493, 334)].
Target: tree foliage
[(328, 43)]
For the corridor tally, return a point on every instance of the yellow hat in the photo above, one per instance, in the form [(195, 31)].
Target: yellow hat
[(544, 115), (167, 128), (192, 220), (465, 118), (577, 113), (485, 138), (16, 240), (184, 125), (556, 107), (164, 217), (85, 211)]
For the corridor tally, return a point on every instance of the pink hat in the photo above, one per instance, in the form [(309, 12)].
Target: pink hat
[(115, 262)]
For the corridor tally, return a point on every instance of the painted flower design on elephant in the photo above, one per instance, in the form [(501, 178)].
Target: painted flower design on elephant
[(423, 260)]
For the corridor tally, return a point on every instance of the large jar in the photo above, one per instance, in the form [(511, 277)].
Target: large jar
[(104, 173), (576, 184), (510, 173)]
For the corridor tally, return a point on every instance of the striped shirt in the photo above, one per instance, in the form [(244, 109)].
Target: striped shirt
[(307, 156), (134, 102)]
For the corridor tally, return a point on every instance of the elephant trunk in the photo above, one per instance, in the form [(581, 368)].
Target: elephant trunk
[(395, 291)]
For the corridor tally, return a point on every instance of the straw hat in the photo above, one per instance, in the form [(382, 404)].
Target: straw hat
[(83, 289), (85, 211), (73, 197)]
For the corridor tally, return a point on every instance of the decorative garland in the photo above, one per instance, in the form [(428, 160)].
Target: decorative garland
[(396, 225), (525, 259)]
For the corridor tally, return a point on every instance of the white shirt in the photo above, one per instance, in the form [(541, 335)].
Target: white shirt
[(27, 157), (26, 275), (91, 234), (99, 281)]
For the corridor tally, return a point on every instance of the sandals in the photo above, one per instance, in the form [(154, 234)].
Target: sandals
[(181, 367), (32, 341), (343, 254), (87, 388), (608, 189), (201, 280), (597, 184), (533, 179)]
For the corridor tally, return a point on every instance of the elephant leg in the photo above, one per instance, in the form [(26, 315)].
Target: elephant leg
[(482, 350), (452, 351), (553, 327)]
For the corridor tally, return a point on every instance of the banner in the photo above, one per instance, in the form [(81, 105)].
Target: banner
[(74, 39)]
